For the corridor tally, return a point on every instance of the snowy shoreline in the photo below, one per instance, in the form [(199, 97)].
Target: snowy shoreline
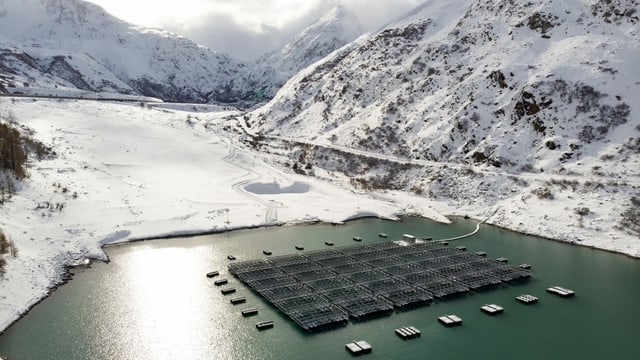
[(128, 172), (68, 269)]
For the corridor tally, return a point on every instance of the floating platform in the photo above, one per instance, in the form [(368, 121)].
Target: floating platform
[(408, 332), (502, 260), (263, 325), (231, 257), (408, 239), (220, 282), (357, 238), (325, 288), (527, 299), (212, 274), (267, 252), (481, 253), (461, 248), (358, 347), (249, 312), (492, 309), (560, 291), (450, 320), (238, 300), (328, 243), (524, 266), (383, 235), (244, 266), (260, 274), (299, 247), (317, 315), (228, 291)]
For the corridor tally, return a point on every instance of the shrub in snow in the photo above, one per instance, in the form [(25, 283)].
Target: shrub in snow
[(16, 145), (582, 211), (631, 217), (543, 193), (6, 247)]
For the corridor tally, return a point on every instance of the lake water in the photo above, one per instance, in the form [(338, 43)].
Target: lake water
[(153, 301)]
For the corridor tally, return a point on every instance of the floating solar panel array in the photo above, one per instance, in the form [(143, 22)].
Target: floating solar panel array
[(324, 288)]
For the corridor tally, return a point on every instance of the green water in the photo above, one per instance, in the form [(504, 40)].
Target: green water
[(153, 301)]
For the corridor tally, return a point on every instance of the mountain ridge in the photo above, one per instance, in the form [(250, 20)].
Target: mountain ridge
[(77, 45), (522, 107), (434, 83)]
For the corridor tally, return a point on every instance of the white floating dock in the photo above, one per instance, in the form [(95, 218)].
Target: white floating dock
[(492, 309), (481, 253), (383, 235), (524, 266), (409, 239), (560, 291), (527, 299), (502, 260), (408, 332), (358, 347), (353, 349), (461, 248), (450, 320)]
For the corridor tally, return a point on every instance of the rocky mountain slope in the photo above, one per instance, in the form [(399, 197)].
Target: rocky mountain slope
[(477, 102), (73, 44), (452, 83)]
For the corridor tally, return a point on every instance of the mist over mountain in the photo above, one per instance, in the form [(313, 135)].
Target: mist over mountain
[(51, 44), (335, 29)]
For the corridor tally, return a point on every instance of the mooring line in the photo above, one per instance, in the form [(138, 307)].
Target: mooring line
[(474, 231)]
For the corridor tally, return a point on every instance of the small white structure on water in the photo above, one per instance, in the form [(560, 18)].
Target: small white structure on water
[(450, 320), (560, 291), (492, 309), (408, 332), (527, 299), (358, 347)]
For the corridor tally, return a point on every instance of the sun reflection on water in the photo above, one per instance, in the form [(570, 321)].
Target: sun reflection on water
[(168, 299)]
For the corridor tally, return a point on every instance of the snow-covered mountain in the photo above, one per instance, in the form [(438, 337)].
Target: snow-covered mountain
[(338, 27), (523, 86), (478, 103), (77, 45)]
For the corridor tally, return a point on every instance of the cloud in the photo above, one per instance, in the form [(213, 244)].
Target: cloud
[(374, 14), (249, 28), (223, 33)]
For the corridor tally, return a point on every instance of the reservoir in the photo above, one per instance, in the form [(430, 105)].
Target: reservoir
[(154, 301)]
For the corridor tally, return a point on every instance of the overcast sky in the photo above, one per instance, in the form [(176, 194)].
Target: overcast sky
[(247, 28)]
